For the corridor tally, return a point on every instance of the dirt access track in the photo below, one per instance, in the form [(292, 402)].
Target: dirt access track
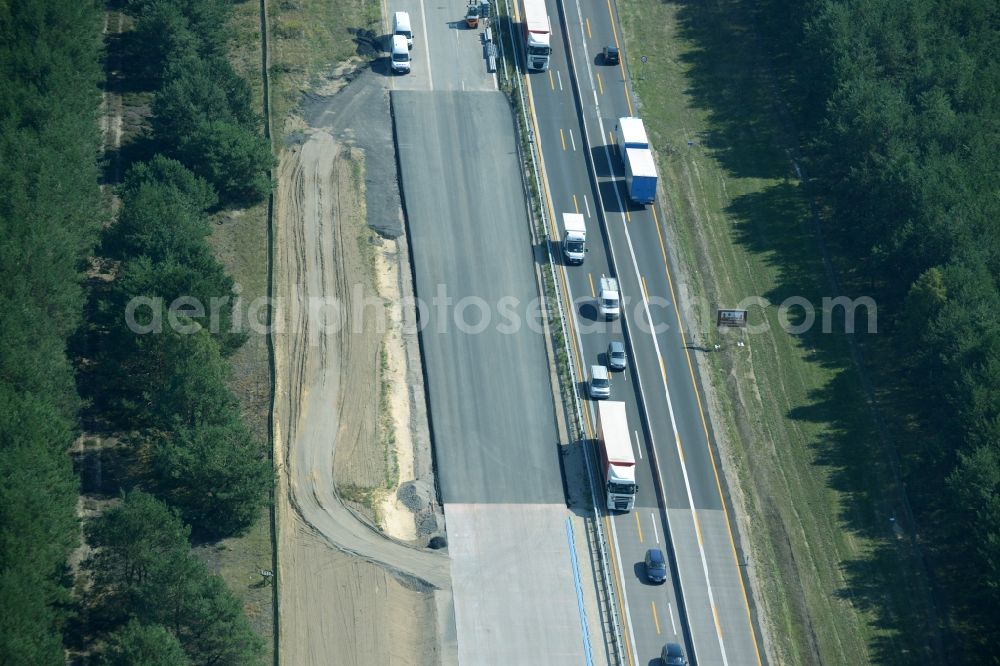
[(348, 594)]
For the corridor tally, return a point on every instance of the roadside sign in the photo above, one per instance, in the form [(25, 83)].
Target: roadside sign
[(732, 319)]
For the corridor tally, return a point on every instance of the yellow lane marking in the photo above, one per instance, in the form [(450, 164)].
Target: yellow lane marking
[(621, 602), (645, 291), (590, 278), (575, 204), (600, 84), (552, 82), (697, 526), (711, 456), (628, 218), (715, 614), (621, 61), (588, 426), (637, 525), (562, 137), (589, 36), (663, 247), (656, 619)]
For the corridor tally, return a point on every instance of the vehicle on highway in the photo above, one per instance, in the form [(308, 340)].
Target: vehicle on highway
[(537, 35), (656, 566), (673, 655), (611, 55), (617, 458), (401, 27), (574, 238), (609, 301), (630, 132), (640, 175), (400, 55), (600, 383), (617, 358), (640, 168)]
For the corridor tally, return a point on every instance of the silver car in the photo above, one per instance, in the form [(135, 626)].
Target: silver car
[(617, 358), (600, 383)]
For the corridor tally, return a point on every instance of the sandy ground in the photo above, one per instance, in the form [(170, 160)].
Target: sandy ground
[(348, 594), (397, 520)]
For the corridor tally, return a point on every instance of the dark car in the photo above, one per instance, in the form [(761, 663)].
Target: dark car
[(656, 566), (617, 359), (673, 655), (611, 55)]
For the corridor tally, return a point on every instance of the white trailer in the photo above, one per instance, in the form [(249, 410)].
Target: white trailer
[(617, 458), (630, 133), (537, 34)]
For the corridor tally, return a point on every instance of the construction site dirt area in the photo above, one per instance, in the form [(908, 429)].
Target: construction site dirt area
[(355, 584)]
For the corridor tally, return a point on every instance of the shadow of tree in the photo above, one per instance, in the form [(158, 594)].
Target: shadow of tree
[(747, 88)]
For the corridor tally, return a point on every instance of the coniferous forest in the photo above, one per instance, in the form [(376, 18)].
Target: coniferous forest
[(50, 214), (897, 107), (71, 365)]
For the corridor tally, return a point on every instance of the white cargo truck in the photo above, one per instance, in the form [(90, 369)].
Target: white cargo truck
[(640, 168), (630, 133), (574, 238), (537, 34), (640, 175), (617, 458)]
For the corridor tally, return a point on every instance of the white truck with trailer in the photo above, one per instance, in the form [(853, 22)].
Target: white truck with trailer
[(630, 133), (640, 168), (537, 35), (617, 458)]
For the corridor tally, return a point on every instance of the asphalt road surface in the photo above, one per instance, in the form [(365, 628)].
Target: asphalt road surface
[(677, 472), (490, 402)]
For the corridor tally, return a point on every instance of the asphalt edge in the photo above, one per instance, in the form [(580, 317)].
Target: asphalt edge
[(265, 61)]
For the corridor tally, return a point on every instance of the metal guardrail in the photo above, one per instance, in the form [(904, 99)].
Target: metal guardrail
[(615, 624)]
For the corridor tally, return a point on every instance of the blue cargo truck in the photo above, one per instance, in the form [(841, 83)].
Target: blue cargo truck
[(640, 175), (640, 169)]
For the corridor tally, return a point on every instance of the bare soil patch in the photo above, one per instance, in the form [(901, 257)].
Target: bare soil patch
[(341, 423)]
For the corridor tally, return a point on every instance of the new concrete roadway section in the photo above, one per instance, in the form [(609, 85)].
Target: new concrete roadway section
[(523, 591), (490, 401), (572, 130)]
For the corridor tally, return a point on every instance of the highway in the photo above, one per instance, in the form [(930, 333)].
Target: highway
[(518, 595), (498, 472), (680, 499)]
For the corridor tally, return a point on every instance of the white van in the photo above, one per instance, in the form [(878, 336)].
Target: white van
[(401, 27), (608, 301), (400, 54)]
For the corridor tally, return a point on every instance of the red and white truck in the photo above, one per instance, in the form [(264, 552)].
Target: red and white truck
[(617, 458), (537, 34)]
